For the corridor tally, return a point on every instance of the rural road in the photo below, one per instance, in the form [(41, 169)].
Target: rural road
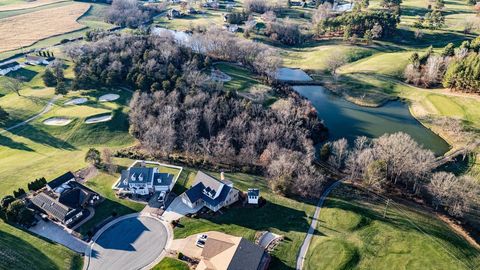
[(306, 243), (46, 109)]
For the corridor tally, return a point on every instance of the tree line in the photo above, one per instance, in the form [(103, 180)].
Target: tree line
[(396, 160), (178, 110), (454, 68)]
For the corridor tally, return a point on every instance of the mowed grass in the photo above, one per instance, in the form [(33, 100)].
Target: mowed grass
[(21, 250), (284, 216), (7, 5), (390, 64), (171, 264), (242, 78), (352, 234)]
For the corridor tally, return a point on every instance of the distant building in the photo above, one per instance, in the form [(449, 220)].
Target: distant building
[(9, 67), (144, 181), (173, 13), (253, 195), (210, 192), (223, 251), (37, 60)]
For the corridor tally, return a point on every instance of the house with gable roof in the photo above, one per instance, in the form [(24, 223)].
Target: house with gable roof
[(210, 192), (144, 181)]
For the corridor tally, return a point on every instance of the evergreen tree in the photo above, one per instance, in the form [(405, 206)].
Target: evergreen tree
[(449, 50), (48, 78), (61, 88)]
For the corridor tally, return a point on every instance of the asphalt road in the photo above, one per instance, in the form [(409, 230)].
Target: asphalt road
[(130, 244)]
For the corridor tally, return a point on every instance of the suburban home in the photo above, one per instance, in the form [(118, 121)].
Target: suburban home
[(65, 200), (210, 192), (37, 60), (226, 252), (5, 68), (144, 181), (173, 13), (253, 194)]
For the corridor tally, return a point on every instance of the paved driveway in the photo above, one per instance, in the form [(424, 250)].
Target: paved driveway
[(177, 209), (131, 243), (58, 234)]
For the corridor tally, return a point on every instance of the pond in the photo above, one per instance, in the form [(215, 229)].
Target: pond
[(347, 120)]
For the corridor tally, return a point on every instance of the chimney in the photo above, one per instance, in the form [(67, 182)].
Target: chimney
[(222, 176)]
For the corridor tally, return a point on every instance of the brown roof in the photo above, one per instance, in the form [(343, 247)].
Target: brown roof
[(226, 252)]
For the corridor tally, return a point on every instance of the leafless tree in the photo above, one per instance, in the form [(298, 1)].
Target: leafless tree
[(336, 60), (12, 84), (339, 152)]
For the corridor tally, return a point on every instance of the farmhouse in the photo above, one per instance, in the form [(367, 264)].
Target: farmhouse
[(9, 67), (144, 181), (226, 252), (210, 192), (65, 200)]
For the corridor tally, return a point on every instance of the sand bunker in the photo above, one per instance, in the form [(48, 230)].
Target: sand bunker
[(57, 121), (98, 119), (76, 101), (108, 97)]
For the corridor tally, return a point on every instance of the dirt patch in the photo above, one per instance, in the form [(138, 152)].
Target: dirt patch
[(26, 29)]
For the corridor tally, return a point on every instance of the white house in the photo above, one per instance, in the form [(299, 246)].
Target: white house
[(9, 67), (253, 194), (144, 181), (210, 192)]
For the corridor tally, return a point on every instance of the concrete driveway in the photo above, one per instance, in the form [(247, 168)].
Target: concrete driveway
[(58, 234), (177, 209), (131, 242)]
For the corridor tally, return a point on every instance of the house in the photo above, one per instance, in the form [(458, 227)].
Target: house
[(253, 194), (233, 28), (56, 184), (56, 210), (144, 181), (66, 200), (226, 252), (37, 60), (9, 67), (210, 192)]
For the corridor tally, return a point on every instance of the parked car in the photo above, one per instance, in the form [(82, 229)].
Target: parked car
[(202, 237), (44, 216), (200, 243), (161, 197)]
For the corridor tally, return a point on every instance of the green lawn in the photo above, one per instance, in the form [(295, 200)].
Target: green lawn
[(171, 264), (352, 234), (242, 78), (280, 215), (24, 251)]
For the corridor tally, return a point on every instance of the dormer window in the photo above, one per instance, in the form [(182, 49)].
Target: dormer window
[(132, 177), (140, 177)]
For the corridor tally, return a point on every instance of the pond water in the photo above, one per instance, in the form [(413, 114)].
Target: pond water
[(347, 120), (292, 74)]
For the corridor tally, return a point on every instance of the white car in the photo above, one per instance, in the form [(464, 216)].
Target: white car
[(161, 197), (201, 239)]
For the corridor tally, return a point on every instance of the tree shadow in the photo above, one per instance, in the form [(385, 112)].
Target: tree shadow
[(9, 143), (40, 136)]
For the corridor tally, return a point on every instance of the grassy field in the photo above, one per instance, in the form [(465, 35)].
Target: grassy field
[(171, 264), (38, 25), (245, 222), (8, 5), (242, 78), (353, 234)]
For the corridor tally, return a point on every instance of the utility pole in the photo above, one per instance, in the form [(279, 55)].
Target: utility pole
[(386, 207)]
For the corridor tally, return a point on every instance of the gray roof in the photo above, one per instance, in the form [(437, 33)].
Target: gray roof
[(52, 206), (206, 183), (162, 179), (62, 179), (248, 256), (9, 65), (140, 175), (253, 192)]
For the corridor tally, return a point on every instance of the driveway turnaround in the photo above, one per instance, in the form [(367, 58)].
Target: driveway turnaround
[(131, 243)]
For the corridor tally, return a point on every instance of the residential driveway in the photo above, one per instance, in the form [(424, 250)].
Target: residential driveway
[(58, 234), (177, 209), (130, 243)]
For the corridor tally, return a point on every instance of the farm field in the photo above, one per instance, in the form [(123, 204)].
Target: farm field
[(353, 233), (31, 27), (8, 5)]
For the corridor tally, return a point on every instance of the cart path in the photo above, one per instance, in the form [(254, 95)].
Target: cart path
[(306, 243)]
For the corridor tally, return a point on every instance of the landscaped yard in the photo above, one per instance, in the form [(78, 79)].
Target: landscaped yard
[(171, 264), (352, 234)]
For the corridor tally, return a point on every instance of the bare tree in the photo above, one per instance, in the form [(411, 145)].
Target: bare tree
[(336, 60), (339, 152), (12, 84)]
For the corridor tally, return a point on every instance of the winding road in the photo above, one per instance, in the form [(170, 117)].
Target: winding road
[(46, 109), (306, 243)]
